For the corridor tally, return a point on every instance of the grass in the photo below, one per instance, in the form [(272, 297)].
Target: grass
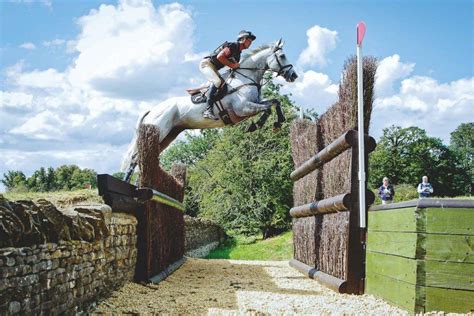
[(58, 198), (239, 248)]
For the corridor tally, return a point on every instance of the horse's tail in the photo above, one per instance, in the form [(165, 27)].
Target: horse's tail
[(130, 157)]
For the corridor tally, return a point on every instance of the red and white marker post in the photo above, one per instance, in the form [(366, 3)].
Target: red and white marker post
[(360, 111)]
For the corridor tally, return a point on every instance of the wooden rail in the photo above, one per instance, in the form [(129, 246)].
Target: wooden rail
[(331, 151), (331, 205), (125, 197)]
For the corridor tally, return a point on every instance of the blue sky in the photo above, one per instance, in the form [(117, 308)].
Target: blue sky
[(76, 74)]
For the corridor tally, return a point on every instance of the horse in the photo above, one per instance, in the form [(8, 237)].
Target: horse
[(241, 102)]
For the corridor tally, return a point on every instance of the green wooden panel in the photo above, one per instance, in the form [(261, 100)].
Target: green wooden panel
[(450, 275), (396, 243), (454, 301), (401, 220), (394, 291), (395, 267), (450, 221), (456, 248)]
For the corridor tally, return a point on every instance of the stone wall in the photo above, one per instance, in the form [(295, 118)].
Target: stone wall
[(202, 236), (65, 276)]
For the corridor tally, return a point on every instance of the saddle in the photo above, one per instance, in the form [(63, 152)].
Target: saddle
[(199, 95)]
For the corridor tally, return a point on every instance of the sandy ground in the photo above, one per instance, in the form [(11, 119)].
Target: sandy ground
[(230, 287)]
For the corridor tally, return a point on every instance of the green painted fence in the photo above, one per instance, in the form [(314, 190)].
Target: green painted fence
[(420, 255)]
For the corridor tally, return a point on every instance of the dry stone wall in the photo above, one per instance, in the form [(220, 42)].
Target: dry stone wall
[(202, 236), (71, 274)]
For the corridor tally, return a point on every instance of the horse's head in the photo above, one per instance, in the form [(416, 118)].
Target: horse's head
[(278, 63)]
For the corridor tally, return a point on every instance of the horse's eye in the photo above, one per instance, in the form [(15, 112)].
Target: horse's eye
[(283, 56)]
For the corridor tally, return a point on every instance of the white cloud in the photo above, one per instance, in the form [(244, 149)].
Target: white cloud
[(313, 90), (420, 101), (15, 99), (320, 42), (48, 3), (49, 78), (28, 45), (129, 57), (390, 70), (134, 50), (54, 42)]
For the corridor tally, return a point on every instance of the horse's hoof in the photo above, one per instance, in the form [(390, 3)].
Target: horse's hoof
[(251, 128)]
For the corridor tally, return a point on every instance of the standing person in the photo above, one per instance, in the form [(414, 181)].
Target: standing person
[(425, 189), (386, 192), (228, 55)]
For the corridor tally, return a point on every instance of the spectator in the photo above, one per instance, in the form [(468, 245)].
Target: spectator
[(424, 188), (386, 192)]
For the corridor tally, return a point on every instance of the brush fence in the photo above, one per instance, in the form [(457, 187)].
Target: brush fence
[(329, 245)]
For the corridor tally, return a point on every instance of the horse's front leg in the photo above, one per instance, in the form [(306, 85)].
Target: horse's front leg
[(261, 121), (280, 116)]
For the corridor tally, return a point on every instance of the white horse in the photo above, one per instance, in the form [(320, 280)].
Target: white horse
[(242, 101)]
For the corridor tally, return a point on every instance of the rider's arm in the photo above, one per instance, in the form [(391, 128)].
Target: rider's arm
[(223, 57)]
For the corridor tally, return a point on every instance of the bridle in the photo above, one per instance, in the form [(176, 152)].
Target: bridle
[(281, 72)]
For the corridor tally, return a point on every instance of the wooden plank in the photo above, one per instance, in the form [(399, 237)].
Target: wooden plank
[(395, 243), (454, 301), (396, 292), (107, 183), (395, 267), (450, 275), (454, 248), (450, 221), (397, 220)]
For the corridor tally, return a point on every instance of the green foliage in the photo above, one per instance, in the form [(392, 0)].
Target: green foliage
[(404, 155), (239, 248), (42, 180), (462, 144), (243, 181), (13, 178), (190, 151)]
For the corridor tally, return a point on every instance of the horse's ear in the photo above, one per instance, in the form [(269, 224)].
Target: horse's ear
[(281, 42), (278, 45)]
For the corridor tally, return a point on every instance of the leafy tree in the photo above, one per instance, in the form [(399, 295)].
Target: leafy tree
[(243, 181), (119, 175), (13, 179), (63, 176), (404, 155), (191, 150), (462, 144)]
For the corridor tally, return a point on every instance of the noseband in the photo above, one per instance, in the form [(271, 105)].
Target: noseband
[(283, 69)]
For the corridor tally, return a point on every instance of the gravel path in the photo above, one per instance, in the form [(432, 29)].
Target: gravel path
[(230, 287)]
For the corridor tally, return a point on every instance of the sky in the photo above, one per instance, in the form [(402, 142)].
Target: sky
[(75, 75)]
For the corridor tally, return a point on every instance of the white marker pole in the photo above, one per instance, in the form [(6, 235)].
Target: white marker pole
[(360, 111)]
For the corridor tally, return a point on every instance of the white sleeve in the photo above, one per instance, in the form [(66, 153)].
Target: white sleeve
[(419, 190)]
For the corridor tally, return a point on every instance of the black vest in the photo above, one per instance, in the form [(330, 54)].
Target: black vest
[(234, 57)]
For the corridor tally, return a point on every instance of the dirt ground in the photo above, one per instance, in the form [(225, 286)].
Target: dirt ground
[(230, 287)]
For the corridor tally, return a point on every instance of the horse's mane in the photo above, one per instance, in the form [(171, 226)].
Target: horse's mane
[(254, 52)]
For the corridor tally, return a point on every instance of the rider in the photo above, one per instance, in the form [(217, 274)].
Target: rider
[(228, 55)]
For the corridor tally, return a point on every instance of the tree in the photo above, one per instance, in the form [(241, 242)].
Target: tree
[(191, 150), (404, 155), (243, 182), (14, 179), (462, 144)]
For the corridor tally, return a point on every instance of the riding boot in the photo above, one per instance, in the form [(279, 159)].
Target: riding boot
[(209, 113)]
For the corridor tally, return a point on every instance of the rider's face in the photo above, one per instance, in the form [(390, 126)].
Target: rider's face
[(247, 42)]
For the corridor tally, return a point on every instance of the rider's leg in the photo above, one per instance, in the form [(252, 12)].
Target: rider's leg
[(209, 70)]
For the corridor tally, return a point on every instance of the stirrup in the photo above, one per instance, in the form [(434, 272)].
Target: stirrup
[(209, 115)]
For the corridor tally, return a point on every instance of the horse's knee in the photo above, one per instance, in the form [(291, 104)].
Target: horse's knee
[(251, 128)]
